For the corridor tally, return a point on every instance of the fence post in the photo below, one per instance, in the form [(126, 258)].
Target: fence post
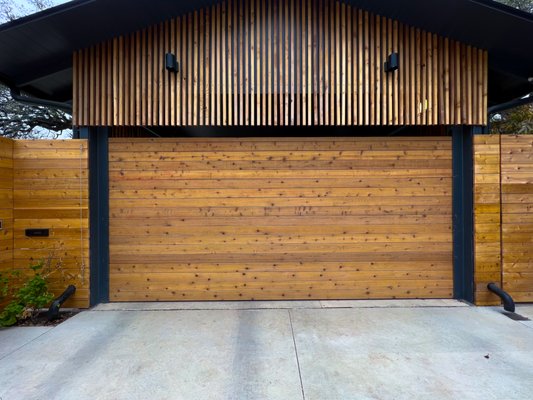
[(99, 212)]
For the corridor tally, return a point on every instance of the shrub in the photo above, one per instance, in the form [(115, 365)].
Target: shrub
[(31, 296), (3, 287)]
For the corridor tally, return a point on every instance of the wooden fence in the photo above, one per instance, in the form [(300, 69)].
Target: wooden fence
[(44, 185), (6, 204), (504, 216)]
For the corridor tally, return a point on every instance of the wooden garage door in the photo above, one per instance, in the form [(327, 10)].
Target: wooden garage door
[(243, 219)]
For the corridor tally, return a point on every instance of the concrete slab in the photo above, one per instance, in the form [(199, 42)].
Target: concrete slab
[(208, 305), (276, 305), (391, 303), (406, 353), (158, 355), (525, 310), (13, 339)]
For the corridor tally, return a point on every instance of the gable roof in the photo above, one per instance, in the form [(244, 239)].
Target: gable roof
[(37, 50)]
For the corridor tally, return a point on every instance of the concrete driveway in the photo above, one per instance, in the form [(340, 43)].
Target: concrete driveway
[(297, 350)]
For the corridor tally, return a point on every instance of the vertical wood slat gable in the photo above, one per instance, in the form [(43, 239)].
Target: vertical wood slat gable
[(270, 62)]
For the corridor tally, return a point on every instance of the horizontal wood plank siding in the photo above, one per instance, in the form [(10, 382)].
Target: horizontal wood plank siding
[(280, 218), (51, 191), (487, 218), (6, 204), (517, 215), (271, 62)]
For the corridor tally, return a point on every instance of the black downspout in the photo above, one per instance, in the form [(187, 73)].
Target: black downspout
[(53, 311), (463, 213), (507, 300), (99, 212)]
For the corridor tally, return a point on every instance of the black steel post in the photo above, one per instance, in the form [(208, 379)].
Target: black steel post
[(463, 213), (99, 212)]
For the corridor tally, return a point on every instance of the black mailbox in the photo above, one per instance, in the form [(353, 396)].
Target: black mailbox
[(38, 232)]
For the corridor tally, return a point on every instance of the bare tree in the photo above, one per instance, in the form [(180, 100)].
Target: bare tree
[(518, 120), (524, 5), (9, 10), (19, 121)]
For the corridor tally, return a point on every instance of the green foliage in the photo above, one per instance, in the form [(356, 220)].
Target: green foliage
[(29, 295), (3, 286), (518, 121), (12, 312)]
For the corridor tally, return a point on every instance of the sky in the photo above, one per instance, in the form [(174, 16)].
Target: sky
[(24, 8)]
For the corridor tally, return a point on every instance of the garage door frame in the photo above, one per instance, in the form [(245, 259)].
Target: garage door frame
[(463, 257)]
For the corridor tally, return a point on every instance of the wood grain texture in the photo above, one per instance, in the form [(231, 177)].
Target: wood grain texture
[(487, 218), (243, 219), (6, 204), (51, 191), (298, 62), (517, 215)]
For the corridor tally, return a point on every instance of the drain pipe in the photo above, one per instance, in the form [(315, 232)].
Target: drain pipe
[(35, 101), (53, 311), (508, 302)]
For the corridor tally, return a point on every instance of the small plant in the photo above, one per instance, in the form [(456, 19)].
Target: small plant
[(30, 296), (3, 287)]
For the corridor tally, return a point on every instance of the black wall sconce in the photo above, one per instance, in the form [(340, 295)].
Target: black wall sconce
[(171, 64), (392, 63)]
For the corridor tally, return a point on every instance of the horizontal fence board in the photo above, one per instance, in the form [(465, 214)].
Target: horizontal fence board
[(395, 292), (364, 267), (487, 217), (517, 215), (6, 204), (156, 173)]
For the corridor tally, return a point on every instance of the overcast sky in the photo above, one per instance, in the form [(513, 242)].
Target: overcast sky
[(23, 6)]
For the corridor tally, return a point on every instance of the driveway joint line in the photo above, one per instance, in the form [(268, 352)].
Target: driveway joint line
[(530, 326), (296, 353), (24, 345)]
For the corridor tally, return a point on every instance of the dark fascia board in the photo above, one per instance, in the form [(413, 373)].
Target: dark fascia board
[(504, 8), (35, 48), (43, 14)]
